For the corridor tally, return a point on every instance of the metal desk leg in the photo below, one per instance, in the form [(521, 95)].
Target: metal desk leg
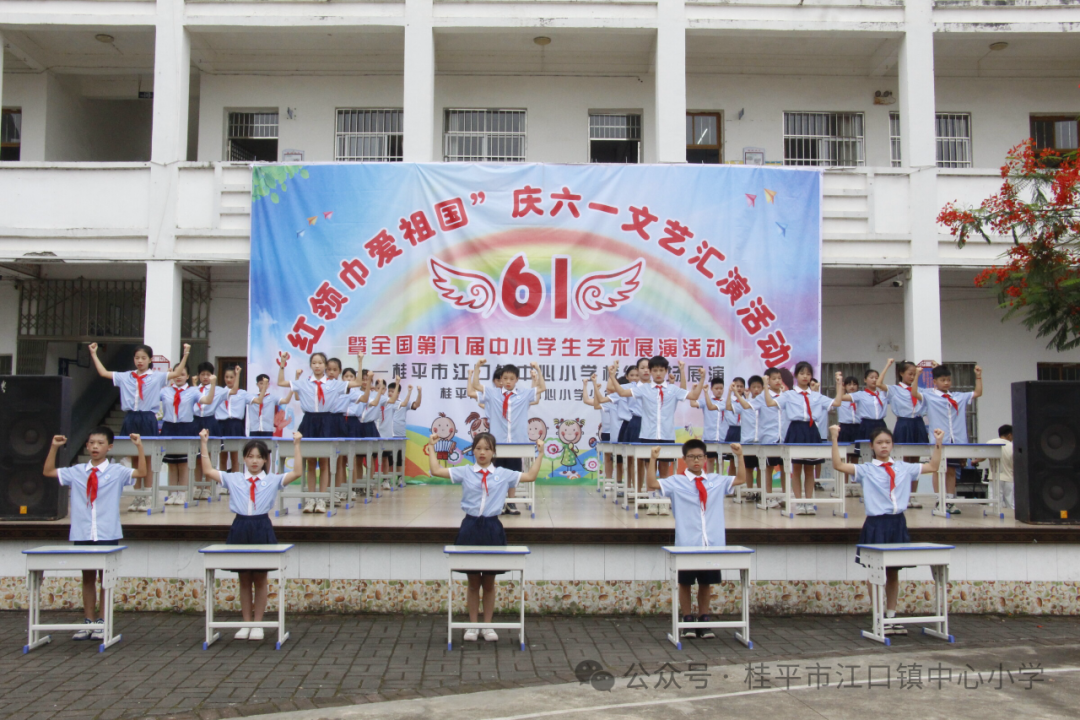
[(521, 636), (450, 612), (111, 638), (282, 634), (744, 636), (209, 594), (674, 636)]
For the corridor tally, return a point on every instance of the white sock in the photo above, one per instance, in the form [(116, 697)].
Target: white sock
[(890, 613)]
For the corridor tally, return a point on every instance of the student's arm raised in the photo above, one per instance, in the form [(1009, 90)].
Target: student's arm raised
[(434, 468), (621, 390), (650, 469), (50, 470), (841, 396), (209, 396), (207, 466), (282, 361), (931, 468), (140, 470), (357, 379), (838, 462), (97, 364), (881, 384), (740, 465), (978, 383), (534, 469), (419, 397), (541, 386), (182, 365), (298, 461)]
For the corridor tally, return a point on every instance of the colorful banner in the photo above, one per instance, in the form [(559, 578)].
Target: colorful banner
[(427, 268)]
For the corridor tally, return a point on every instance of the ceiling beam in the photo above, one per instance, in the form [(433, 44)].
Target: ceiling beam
[(885, 57), (21, 271), (22, 56)]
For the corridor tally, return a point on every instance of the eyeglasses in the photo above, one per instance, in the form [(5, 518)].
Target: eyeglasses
[(695, 457)]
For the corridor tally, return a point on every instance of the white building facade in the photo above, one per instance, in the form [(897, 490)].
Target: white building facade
[(129, 127)]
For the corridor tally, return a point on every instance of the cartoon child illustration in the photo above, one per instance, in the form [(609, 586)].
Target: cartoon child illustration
[(477, 424), (569, 433), (283, 419), (538, 429), (445, 428)]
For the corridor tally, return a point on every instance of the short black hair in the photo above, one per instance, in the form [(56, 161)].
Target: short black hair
[(799, 366), (692, 444), (755, 379), (146, 349), (902, 367), (738, 380), (511, 369), (716, 381), (205, 366), (851, 380), (334, 360), (102, 430), (879, 431), (392, 386), (769, 372), (263, 450), (868, 372), (1004, 430), (261, 377), (659, 362), (941, 371)]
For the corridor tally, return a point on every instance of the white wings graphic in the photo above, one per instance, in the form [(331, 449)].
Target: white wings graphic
[(478, 296), (594, 294)]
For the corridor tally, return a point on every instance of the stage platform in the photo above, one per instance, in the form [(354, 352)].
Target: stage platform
[(564, 515)]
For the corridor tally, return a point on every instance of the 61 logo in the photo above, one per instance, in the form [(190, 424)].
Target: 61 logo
[(521, 292)]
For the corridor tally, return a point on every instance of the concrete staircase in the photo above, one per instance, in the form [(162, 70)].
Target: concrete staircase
[(114, 421)]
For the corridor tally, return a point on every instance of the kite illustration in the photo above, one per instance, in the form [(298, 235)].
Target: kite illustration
[(782, 228), (770, 196), (750, 199)]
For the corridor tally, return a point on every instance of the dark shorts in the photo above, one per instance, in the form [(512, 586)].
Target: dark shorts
[(508, 463), (701, 577), (751, 462), (481, 530), (605, 437), (80, 543), (850, 432), (388, 455)]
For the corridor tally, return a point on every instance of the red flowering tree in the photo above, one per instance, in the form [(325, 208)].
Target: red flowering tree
[(1038, 206)]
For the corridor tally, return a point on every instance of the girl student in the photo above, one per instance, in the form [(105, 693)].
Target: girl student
[(847, 411), (231, 415), (356, 404), (734, 423), (871, 404), (630, 432), (178, 403), (801, 409), (909, 407), (714, 426), (140, 393), (373, 411), (484, 489), (206, 417), (252, 494), (341, 410), (886, 485), (318, 395), (610, 423)]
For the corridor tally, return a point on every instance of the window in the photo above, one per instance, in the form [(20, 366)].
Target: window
[(11, 134), (703, 138), (368, 136), (5, 364), (484, 135), (894, 138), (953, 137), (1057, 132), (963, 380), (253, 136), (832, 139), (1059, 371), (615, 138)]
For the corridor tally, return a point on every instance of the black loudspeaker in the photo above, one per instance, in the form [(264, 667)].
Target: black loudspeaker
[(1046, 451), (33, 408)]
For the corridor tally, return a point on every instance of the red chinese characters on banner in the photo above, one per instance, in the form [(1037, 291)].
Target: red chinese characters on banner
[(756, 316), (358, 345), (327, 301), (569, 347), (380, 345), (675, 234), (734, 285), (775, 350), (451, 214), (702, 255), (569, 198), (425, 344), (691, 347), (304, 337), (526, 201), (474, 346), (383, 247), (642, 219), (403, 344), (353, 273), (416, 228)]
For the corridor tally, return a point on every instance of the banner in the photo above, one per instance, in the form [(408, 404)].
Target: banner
[(427, 268)]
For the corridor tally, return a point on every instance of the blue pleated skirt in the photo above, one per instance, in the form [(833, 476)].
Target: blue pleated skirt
[(171, 429), (370, 429), (880, 529), (868, 425), (251, 530), (734, 434), (803, 433), (630, 432), (141, 422), (850, 432), (910, 430), (353, 427), (480, 530), (318, 425), (233, 427)]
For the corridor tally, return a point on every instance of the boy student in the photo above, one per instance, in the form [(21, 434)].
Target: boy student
[(947, 411), (714, 416), (261, 409), (508, 411), (761, 425), (697, 501), (95, 509)]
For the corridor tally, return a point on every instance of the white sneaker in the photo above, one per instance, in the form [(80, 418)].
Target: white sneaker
[(352, 496), (772, 503), (84, 634), (98, 633), (170, 499), (385, 485), (490, 635), (652, 510), (136, 505), (181, 498), (224, 490), (309, 505), (320, 506), (339, 497), (914, 504), (470, 635), (665, 509), (256, 634), (242, 634), (799, 509), (811, 510)]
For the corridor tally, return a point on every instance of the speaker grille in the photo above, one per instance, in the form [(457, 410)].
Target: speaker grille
[(29, 437), (26, 488), (1058, 442)]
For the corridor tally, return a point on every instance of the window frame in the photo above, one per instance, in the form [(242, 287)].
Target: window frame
[(14, 111), (229, 112), (1046, 369), (964, 142), (719, 147), (1056, 118), (831, 116), (486, 134), (896, 143), (340, 135), (628, 126)]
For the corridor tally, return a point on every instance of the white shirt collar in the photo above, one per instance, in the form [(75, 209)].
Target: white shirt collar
[(248, 475), (879, 463), (901, 384), (312, 378), (478, 470), (139, 374), (100, 468), (939, 393), (504, 391), (691, 475)]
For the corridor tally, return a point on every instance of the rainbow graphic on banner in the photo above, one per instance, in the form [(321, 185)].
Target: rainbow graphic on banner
[(426, 268)]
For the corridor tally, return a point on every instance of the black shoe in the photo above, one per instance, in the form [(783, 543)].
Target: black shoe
[(689, 632), (892, 630), (952, 509), (705, 633), (511, 509)]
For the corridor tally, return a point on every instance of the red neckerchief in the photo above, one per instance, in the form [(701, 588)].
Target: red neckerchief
[(321, 396), (892, 475), (952, 402), (703, 494), (661, 389), (914, 400), (506, 404), (177, 392), (809, 412), (139, 379), (92, 486), (874, 394), (483, 479)]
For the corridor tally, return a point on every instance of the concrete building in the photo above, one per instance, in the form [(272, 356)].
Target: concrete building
[(129, 125)]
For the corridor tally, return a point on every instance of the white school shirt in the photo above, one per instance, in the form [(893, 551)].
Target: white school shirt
[(900, 402), (622, 407), (152, 385), (877, 498), (793, 409), (1005, 464), (353, 408), (514, 428), (658, 405), (941, 414), (400, 413), (848, 412), (634, 401), (100, 521), (189, 398), (608, 417), (260, 418), (384, 420), (474, 500), (695, 525), (306, 390), (341, 405), (266, 490), (714, 422), (232, 407), (870, 405), (768, 419), (748, 420), (206, 411), (372, 413)]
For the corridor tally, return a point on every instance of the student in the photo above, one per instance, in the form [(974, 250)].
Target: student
[(871, 404), (252, 494), (95, 509), (1005, 469), (508, 411), (847, 409), (906, 403), (385, 423), (318, 396), (484, 488), (261, 408), (341, 410), (140, 391), (801, 409), (401, 412), (178, 403), (334, 372), (697, 502), (714, 417), (230, 415), (886, 484), (610, 423), (769, 425), (733, 413), (947, 411), (374, 408), (206, 418)]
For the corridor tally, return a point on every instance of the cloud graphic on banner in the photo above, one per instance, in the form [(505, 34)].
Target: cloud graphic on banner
[(478, 296), (591, 298)]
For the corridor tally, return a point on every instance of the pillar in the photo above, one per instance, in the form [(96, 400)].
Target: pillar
[(670, 78), (164, 300), (419, 79), (922, 294), (1, 70)]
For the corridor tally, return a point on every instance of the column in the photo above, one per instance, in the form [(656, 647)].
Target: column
[(1, 70), (670, 81), (419, 80), (164, 300), (922, 295)]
